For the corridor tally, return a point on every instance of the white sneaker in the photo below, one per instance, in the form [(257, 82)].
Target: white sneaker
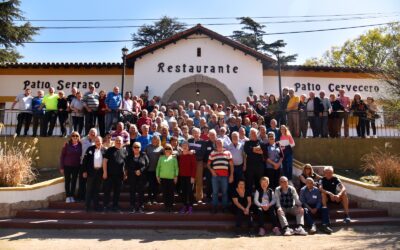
[(300, 231), (72, 199), (288, 232), (67, 200), (375, 136), (367, 136)]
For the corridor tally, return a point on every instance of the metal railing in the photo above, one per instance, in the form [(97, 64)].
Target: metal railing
[(387, 124)]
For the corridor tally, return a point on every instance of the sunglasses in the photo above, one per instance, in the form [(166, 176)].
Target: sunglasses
[(136, 147), (168, 149), (74, 136)]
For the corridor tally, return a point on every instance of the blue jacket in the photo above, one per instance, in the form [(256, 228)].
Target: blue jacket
[(113, 101), (311, 198)]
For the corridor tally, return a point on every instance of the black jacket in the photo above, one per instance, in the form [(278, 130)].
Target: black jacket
[(318, 106), (88, 160), (131, 166)]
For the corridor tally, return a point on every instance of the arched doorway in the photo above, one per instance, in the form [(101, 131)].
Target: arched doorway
[(210, 89)]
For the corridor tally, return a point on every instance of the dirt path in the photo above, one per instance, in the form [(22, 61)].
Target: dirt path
[(374, 237)]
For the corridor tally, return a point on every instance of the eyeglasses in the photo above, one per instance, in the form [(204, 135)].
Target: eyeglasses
[(168, 149), (74, 136), (136, 147)]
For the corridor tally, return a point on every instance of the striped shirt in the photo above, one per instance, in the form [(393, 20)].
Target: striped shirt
[(220, 162), (91, 100)]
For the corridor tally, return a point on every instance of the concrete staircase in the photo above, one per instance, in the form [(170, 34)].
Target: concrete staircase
[(61, 215)]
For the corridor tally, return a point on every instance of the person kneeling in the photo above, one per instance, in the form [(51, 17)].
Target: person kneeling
[(310, 197), (329, 186), (265, 201), (242, 202), (287, 202)]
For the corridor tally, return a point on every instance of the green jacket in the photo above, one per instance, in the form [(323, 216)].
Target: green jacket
[(167, 168)]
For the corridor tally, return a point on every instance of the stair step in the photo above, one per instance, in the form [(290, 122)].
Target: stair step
[(187, 225)]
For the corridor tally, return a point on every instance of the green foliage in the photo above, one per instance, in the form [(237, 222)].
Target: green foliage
[(160, 30), (12, 35)]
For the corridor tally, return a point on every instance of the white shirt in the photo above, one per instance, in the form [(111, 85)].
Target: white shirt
[(98, 159), (24, 102)]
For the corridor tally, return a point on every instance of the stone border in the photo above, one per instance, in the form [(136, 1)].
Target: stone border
[(200, 79)]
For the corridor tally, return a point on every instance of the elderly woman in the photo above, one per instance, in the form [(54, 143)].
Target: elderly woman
[(360, 108), (136, 167), (287, 143), (77, 112), (274, 157), (70, 164), (153, 151), (334, 120), (308, 172)]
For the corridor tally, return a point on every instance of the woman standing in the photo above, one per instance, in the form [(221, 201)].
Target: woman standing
[(70, 163), (187, 174), (136, 167), (274, 157), (77, 112), (360, 109), (287, 143), (153, 151), (167, 175), (272, 109), (92, 165), (101, 113), (62, 108), (372, 114)]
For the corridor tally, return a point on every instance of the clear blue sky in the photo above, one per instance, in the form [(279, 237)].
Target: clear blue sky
[(305, 45)]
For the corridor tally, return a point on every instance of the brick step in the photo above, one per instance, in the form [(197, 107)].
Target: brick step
[(187, 225), (201, 212)]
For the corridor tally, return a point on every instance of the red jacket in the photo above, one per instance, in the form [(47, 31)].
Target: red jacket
[(187, 165)]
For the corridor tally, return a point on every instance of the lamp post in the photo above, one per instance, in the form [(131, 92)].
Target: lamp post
[(124, 53), (146, 91), (251, 92), (277, 53)]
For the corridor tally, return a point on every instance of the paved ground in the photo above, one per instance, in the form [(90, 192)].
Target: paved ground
[(373, 237)]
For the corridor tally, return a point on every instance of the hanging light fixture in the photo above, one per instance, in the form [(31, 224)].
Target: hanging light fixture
[(197, 91)]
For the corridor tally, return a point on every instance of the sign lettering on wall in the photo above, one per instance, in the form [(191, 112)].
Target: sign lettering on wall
[(61, 84), (187, 68), (332, 87)]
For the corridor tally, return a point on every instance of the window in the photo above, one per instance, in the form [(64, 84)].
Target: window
[(198, 52)]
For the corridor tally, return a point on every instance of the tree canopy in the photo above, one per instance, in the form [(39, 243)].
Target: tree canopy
[(12, 35)]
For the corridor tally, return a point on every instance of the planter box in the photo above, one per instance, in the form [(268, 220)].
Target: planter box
[(30, 196)]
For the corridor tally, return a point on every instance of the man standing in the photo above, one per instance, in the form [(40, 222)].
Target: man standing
[(345, 101), (196, 144), (91, 104), (50, 102), (220, 165), (71, 97), (37, 113), (113, 104), (86, 142), (293, 113), (314, 113), (144, 138), (326, 104), (237, 150), (282, 103), (25, 111), (255, 165)]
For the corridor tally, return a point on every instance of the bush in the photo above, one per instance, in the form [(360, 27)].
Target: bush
[(385, 165), (16, 161)]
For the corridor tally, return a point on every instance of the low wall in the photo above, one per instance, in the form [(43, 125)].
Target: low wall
[(34, 196), (340, 153)]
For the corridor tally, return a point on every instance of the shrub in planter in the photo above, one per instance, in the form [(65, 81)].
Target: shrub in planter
[(385, 165), (16, 159)]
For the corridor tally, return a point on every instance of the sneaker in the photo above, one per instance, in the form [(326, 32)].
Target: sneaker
[(261, 231), (313, 229), (190, 210), (287, 232), (71, 199), (375, 136), (276, 231), (140, 210), (300, 231), (347, 219), (326, 229), (132, 211), (67, 200), (183, 210)]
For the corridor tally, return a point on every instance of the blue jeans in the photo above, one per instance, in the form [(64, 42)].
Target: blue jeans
[(111, 117), (219, 182), (308, 216), (287, 165)]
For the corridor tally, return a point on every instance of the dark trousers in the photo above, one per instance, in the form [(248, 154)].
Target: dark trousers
[(113, 183), (50, 118), (308, 216), (90, 121), (102, 124), (270, 213), (93, 187), (187, 190), (62, 119), (361, 126), (167, 187), (240, 217), (23, 118), (315, 124), (70, 178), (77, 122), (281, 118), (287, 165), (153, 185), (303, 122), (273, 175), (36, 120), (237, 175), (82, 187), (136, 187), (334, 124), (253, 177), (370, 123), (324, 126), (208, 176)]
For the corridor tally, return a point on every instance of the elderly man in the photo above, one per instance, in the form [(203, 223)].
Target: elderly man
[(120, 131), (37, 113), (144, 120), (86, 142), (220, 165), (255, 166), (287, 202), (113, 104), (196, 144), (209, 146), (329, 186), (49, 102), (91, 104), (293, 113), (315, 110), (326, 104), (25, 111), (237, 150), (113, 173), (310, 197), (144, 139)]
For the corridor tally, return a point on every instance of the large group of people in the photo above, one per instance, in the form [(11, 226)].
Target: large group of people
[(238, 158)]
